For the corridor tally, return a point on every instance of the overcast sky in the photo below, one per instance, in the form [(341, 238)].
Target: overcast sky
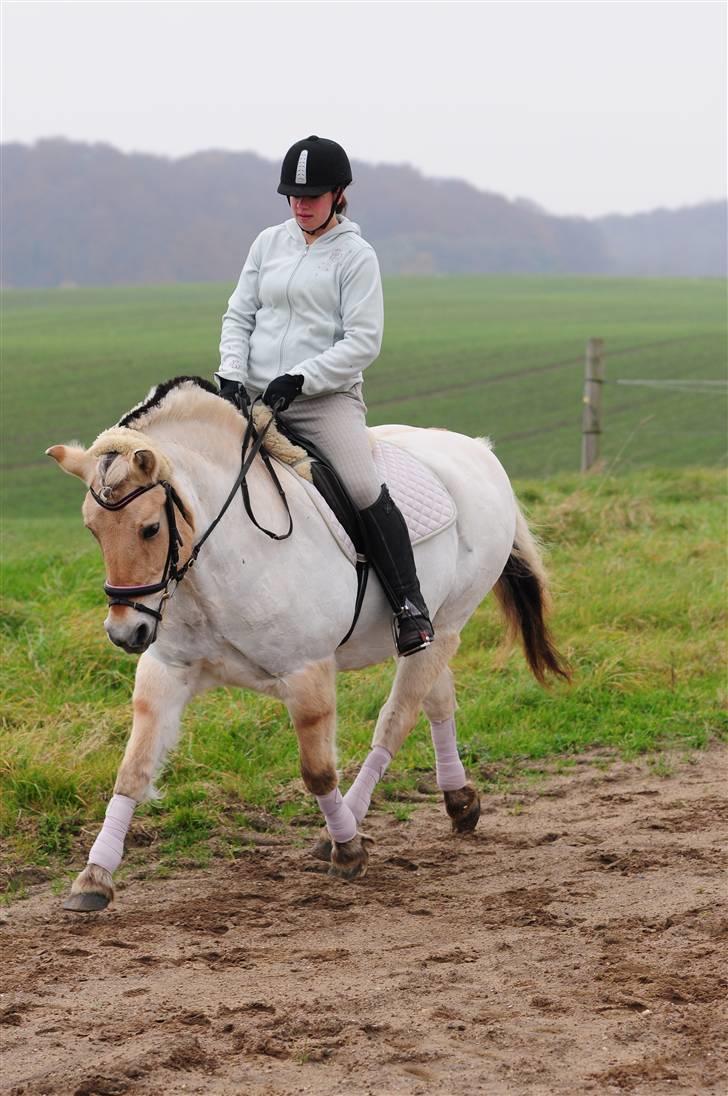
[(584, 107)]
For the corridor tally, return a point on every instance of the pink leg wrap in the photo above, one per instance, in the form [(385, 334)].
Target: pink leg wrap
[(340, 822), (359, 795), (108, 848), (449, 767)]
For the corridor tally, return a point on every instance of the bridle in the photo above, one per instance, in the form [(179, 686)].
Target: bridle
[(173, 573), (122, 595)]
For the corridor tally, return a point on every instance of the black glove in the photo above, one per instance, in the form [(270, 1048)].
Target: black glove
[(284, 388), (236, 393)]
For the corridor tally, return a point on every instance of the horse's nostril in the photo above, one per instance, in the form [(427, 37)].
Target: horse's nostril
[(140, 636)]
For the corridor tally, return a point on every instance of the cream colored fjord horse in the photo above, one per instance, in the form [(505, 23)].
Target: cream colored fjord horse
[(269, 615)]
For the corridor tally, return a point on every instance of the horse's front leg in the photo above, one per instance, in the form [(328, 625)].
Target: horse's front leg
[(160, 695), (310, 697)]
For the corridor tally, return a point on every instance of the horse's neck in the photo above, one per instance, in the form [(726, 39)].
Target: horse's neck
[(206, 466), (190, 443), (229, 601)]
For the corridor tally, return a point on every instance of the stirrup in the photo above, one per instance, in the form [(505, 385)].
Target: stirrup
[(426, 632)]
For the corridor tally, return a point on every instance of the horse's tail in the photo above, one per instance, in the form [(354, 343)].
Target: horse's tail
[(523, 595)]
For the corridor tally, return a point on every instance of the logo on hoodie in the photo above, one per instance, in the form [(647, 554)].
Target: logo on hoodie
[(330, 259)]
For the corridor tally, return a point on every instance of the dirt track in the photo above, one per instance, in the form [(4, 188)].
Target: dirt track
[(577, 943)]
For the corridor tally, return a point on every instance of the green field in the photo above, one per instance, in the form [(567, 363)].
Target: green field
[(496, 356), (637, 552)]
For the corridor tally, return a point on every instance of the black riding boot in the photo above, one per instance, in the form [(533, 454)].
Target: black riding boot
[(390, 554)]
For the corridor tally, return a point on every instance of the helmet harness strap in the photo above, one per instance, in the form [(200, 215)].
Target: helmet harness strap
[(313, 231)]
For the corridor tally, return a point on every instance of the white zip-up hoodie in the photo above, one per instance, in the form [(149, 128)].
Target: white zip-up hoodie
[(313, 309)]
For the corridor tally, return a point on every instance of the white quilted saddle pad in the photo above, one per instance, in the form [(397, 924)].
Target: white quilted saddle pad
[(420, 495)]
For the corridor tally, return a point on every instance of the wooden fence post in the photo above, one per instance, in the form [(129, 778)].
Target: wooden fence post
[(591, 421)]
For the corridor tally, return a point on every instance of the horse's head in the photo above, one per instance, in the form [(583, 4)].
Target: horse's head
[(127, 509)]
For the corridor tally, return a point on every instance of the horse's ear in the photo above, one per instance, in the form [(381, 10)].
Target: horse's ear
[(73, 459), (146, 462)]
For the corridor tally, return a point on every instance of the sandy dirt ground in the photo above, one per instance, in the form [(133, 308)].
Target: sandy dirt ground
[(578, 942)]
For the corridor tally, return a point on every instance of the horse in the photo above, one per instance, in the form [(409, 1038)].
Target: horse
[(270, 616)]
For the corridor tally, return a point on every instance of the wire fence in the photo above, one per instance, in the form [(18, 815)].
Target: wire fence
[(594, 382), (694, 385)]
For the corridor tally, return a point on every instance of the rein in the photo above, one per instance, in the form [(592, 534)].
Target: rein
[(122, 595), (251, 447)]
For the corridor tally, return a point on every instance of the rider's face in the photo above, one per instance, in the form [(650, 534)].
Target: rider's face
[(311, 212)]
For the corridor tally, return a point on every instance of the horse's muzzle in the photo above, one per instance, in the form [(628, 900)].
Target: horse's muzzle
[(129, 632)]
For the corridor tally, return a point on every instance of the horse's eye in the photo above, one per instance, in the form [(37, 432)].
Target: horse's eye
[(150, 531)]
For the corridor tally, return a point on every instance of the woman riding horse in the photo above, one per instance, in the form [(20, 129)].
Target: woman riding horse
[(305, 320)]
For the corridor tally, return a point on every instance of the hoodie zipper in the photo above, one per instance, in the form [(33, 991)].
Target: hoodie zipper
[(288, 299), (290, 307)]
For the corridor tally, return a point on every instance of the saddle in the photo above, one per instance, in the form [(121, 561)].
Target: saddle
[(427, 507)]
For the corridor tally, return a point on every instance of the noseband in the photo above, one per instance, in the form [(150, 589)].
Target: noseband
[(122, 595)]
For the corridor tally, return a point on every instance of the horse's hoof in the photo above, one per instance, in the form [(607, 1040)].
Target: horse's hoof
[(322, 847), (463, 806), (86, 902), (92, 890), (349, 860)]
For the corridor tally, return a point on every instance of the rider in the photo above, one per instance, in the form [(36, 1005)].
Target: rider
[(305, 319)]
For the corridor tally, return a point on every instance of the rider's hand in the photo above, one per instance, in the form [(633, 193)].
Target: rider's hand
[(236, 393), (284, 388)]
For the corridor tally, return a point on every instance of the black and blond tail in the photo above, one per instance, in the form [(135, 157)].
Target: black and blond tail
[(523, 595)]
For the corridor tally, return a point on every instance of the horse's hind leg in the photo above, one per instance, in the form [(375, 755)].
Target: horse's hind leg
[(413, 681), (461, 797), (310, 696), (160, 695)]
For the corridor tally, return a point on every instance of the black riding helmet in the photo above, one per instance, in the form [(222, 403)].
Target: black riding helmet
[(314, 166)]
